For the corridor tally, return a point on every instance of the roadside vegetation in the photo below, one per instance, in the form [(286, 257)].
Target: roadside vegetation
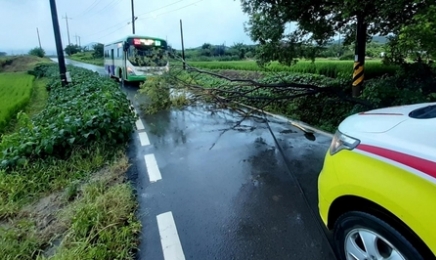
[(329, 68), (288, 74), (92, 56), (307, 74), (63, 187), (87, 57)]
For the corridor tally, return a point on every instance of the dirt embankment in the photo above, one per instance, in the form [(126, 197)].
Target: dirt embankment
[(20, 63)]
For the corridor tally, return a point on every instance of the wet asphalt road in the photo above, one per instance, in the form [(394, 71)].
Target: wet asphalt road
[(244, 193)]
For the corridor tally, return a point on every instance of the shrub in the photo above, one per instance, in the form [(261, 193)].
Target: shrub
[(414, 83), (90, 110), (38, 52)]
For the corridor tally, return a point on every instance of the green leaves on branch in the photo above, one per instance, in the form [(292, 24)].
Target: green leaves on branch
[(317, 21)]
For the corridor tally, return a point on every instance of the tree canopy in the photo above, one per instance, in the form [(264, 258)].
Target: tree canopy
[(317, 22), (39, 52)]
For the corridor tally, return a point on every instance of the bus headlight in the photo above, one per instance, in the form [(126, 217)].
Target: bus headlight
[(130, 71)]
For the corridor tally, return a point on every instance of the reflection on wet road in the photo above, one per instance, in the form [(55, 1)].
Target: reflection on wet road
[(100, 70), (232, 194), (226, 192)]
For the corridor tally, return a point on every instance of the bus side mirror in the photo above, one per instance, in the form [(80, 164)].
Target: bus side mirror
[(126, 46)]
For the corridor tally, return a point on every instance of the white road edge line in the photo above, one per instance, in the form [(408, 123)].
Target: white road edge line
[(143, 137), (169, 238), (139, 124), (152, 168)]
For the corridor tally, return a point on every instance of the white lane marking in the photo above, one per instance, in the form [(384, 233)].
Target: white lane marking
[(169, 238), (139, 124), (143, 137), (152, 168)]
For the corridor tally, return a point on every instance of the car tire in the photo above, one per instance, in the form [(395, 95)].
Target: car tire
[(354, 227)]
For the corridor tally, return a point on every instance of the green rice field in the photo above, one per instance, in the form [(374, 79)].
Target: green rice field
[(329, 68), (15, 92)]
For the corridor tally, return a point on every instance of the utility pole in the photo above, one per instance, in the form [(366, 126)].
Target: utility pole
[(77, 37), (183, 47), (61, 61), (39, 39), (68, 28), (359, 59), (133, 18)]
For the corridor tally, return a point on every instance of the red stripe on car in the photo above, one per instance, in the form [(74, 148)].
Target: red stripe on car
[(426, 166), (379, 114)]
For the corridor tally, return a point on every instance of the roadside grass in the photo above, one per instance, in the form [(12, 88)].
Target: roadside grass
[(79, 205), (88, 218), (86, 57), (328, 68), (15, 92), (36, 104)]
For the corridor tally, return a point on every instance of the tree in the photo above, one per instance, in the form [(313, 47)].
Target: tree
[(318, 20), (2, 53), (241, 49), (38, 52), (98, 50), (421, 33), (72, 49)]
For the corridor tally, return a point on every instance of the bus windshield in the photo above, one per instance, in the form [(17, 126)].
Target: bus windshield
[(147, 56)]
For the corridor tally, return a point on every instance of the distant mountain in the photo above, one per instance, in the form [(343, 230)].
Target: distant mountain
[(378, 39)]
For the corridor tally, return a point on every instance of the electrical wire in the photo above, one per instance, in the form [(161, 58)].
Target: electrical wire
[(128, 20), (179, 8), (160, 8), (125, 21), (92, 6), (108, 5), (112, 32)]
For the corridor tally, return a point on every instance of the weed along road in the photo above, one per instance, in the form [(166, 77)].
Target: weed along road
[(210, 188)]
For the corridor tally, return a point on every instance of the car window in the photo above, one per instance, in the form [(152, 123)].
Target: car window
[(424, 112)]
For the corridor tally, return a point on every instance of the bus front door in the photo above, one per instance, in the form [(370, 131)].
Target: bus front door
[(113, 63)]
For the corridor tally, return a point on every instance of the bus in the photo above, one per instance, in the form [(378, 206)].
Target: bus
[(134, 58)]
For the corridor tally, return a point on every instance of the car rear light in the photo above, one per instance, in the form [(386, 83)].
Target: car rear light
[(341, 141)]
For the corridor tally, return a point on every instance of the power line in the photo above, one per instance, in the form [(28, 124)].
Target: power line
[(112, 32), (128, 20), (125, 21), (160, 8), (179, 8), (111, 3), (92, 6)]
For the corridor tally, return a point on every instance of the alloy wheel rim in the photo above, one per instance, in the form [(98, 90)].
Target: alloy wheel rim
[(365, 244)]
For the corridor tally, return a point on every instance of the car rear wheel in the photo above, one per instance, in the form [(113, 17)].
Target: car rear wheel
[(361, 236)]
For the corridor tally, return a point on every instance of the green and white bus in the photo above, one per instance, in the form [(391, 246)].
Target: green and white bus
[(134, 58)]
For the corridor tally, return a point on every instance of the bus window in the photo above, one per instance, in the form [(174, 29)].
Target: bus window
[(147, 56)]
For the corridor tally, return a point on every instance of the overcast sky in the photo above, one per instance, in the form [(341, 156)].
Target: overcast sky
[(212, 21)]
